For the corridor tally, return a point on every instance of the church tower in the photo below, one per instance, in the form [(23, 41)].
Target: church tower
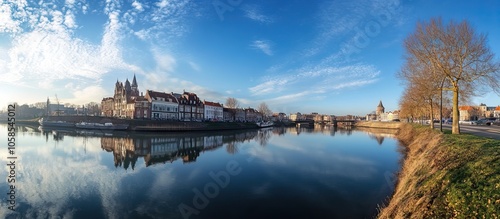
[(135, 88), (380, 109)]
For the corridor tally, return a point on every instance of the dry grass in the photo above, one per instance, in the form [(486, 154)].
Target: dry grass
[(446, 176)]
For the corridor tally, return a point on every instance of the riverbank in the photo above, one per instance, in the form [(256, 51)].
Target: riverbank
[(446, 176)]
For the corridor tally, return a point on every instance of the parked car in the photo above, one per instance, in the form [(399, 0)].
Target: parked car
[(467, 122), (485, 122)]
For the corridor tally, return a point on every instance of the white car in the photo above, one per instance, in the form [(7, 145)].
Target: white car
[(467, 122)]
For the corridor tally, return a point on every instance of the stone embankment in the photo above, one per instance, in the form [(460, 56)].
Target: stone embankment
[(379, 125), (152, 125)]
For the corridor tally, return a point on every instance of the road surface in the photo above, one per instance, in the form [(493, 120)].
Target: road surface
[(492, 131)]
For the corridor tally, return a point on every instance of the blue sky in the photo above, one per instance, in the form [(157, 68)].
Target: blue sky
[(331, 57)]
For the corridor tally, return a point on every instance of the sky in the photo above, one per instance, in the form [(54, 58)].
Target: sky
[(331, 57)]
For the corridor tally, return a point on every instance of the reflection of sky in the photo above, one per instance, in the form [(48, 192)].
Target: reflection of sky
[(52, 175), (69, 177)]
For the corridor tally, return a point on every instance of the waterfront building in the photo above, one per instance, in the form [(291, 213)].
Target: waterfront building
[(164, 106), (190, 107), (234, 114), (296, 117), (107, 106), (278, 117), (126, 102), (252, 115), (138, 108), (213, 111)]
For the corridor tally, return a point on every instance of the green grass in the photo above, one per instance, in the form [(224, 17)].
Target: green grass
[(467, 181)]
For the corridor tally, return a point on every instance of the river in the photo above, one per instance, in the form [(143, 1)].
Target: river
[(318, 172)]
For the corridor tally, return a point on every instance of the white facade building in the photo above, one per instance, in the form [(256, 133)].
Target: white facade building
[(213, 111), (164, 106)]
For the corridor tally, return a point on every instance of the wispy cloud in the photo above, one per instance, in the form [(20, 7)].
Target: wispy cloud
[(194, 66), (253, 12), (263, 45), (314, 80)]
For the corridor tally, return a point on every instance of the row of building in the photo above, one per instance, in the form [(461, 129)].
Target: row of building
[(467, 113), (128, 102)]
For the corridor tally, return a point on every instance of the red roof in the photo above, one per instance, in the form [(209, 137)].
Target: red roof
[(465, 108), (154, 95), (208, 103)]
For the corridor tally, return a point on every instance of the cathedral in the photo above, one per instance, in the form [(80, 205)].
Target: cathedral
[(126, 102), (123, 95)]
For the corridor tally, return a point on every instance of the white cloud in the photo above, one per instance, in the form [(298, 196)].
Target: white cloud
[(69, 20), (164, 62), (253, 13), (263, 45), (314, 80), (7, 22), (138, 6), (87, 94), (162, 3), (194, 66), (271, 86)]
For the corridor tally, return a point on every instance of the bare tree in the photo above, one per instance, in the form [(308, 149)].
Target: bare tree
[(424, 84), (232, 103), (459, 55), (264, 109)]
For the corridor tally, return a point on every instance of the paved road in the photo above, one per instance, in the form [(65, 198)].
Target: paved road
[(479, 130)]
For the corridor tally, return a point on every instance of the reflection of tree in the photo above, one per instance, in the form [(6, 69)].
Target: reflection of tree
[(333, 130), (263, 136), (232, 147)]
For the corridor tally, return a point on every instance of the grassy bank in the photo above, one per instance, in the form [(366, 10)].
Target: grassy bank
[(446, 176)]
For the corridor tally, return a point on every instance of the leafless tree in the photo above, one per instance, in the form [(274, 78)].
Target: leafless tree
[(457, 54), (264, 109), (232, 103)]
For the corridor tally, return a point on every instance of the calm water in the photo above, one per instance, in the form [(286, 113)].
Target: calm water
[(271, 173)]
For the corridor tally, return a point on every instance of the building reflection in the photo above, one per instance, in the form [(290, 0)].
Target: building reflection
[(379, 134), (163, 149)]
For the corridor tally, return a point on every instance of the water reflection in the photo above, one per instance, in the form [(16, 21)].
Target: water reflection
[(155, 149), (314, 172)]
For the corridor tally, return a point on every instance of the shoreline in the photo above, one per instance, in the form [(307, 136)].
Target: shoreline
[(137, 125)]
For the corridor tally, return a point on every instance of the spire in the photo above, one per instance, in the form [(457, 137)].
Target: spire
[(127, 86), (380, 104), (134, 82)]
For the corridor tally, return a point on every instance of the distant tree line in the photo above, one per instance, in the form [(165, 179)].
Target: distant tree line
[(39, 109)]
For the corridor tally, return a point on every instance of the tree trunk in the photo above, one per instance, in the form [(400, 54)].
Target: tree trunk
[(455, 128), (432, 115)]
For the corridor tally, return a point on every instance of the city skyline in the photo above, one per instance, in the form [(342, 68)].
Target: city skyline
[(330, 57)]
